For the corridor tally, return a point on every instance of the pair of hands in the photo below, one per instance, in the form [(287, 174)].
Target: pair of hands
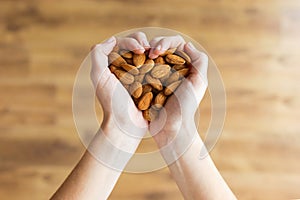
[(180, 108)]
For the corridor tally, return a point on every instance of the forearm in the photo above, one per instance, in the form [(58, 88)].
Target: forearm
[(93, 177), (197, 178)]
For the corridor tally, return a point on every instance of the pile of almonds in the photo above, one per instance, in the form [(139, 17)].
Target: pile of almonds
[(149, 81)]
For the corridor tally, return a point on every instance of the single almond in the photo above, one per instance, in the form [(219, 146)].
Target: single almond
[(139, 59), (183, 72), (147, 88), (124, 77), (126, 54), (145, 101), (147, 66), (160, 71), (169, 51), (115, 59), (150, 114), (179, 67), (130, 68), (136, 89), (174, 59), (159, 100), (172, 87), (154, 82), (172, 78), (112, 68), (183, 55), (159, 60)]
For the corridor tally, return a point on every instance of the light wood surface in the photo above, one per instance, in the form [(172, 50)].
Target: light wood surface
[(254, 43)]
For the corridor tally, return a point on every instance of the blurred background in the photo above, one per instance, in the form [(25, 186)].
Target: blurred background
[(255, 44)]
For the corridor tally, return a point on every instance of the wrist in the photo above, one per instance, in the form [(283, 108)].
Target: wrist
[(118, 137), (176, 133)]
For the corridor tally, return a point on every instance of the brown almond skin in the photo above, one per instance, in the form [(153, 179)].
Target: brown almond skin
[(136, 89), (150, 114), (115, 59), (124, 77), (164, 78), (171, 88), (169, 51), (139, 78), (159, 60), (179, 67), (145, 101), (147, 88), (159, 100), (172, 78), (183, 72), (183, 55), (130, 68), (160, 71), (139, 59), (154, 82), (112, 68), (126, 54), (147, 66), (129, 61), (174, 59)]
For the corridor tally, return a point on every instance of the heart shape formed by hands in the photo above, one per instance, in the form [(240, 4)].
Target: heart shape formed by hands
[(149, 82)]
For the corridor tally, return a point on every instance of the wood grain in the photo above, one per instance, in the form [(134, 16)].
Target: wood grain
[(254, 43)]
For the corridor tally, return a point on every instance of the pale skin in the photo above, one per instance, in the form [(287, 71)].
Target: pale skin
[(196, 178)]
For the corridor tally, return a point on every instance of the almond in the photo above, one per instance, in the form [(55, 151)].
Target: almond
[(169, 51), (112, 68), (164, 78), (159, 100), (160, 71), (147, 88), (124, 77), (145, 101), (115, 59), (136, 89), (130, 68), (149, 64), (183, 55), (174, 59), (154, 82), (171, 88), (172, 78), (126, 54), (179, 67), (150, 114), (139, 78), (183, 72), (139, 59), (159, 60)]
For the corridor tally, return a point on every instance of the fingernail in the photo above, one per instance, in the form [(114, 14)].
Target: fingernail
[(191, 46), (110, 40)]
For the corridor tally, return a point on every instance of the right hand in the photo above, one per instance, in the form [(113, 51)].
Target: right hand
[(180, 108)]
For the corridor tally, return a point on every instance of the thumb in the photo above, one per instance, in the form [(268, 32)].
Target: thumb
[(99, 54)]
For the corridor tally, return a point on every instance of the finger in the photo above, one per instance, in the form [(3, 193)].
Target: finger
[(99, 58), (199, 61), (131, 44), (166, 43), (141, 38)]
